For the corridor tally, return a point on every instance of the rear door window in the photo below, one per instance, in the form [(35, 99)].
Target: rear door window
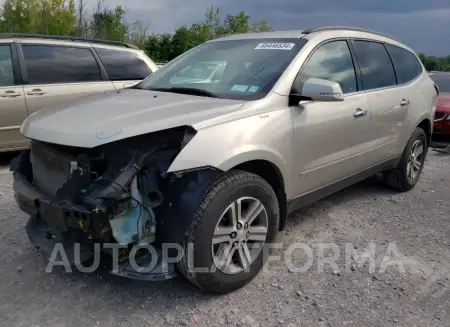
[(47, 64), (6, 66), (406, 65), (375, 64), (123, 65)]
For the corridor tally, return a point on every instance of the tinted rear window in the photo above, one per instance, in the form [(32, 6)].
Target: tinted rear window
[(6, 66), (406, 65), (123, 65), (442, 81), (376, 65), (58, 64)]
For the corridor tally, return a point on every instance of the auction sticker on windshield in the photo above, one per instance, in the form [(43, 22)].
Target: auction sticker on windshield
[(239, 88), (275, 46)]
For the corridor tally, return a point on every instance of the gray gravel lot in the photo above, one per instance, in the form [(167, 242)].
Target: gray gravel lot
[(413, 293)]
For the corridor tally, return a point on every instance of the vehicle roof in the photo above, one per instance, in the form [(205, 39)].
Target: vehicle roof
[(263, 35), (77, 41), (324, 32)]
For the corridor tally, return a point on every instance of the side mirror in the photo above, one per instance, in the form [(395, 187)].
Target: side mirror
[(318, 89)]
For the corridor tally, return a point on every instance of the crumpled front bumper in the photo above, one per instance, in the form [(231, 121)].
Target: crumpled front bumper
[(54, 221)]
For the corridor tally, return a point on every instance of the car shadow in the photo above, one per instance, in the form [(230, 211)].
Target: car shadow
[(370, 187), (6, 157), (163, 296)]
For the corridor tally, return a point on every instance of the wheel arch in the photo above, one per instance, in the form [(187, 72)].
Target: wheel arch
[(272, 174), (427, 126)]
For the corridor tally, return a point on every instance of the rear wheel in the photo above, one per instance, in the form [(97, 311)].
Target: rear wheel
[(407, 173), (226, 245)]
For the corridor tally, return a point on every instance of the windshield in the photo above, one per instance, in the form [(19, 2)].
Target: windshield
[(201, 70), (234, 69), (442, 81)]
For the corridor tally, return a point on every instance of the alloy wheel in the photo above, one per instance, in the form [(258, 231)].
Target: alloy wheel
[(415, 160), (239, 235)]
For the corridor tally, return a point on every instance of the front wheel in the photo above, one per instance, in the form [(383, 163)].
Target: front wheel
[(407, 173), (226, 245)]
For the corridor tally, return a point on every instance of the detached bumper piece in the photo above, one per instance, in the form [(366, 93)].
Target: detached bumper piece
[(146, 267)]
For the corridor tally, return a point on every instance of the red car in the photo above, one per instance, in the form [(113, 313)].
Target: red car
[(442, 115)]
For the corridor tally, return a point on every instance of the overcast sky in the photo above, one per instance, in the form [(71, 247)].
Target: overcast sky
[(424, 25)]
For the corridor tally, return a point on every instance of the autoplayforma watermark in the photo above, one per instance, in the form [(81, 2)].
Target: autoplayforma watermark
[(298, 257)]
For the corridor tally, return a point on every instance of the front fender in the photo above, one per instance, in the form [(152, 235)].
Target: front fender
[(260, 137)]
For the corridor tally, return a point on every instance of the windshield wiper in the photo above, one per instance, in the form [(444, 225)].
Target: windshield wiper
[(185, 90)]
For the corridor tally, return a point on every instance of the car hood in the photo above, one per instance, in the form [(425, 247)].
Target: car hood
[(112, 116)]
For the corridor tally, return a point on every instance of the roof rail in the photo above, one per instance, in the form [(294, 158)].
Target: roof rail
[(68, 38), (343, 28), (225, 35)]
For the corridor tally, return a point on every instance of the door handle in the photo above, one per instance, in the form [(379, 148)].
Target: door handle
[(10, 94), (404, 102), (36, 92), (359, 113)]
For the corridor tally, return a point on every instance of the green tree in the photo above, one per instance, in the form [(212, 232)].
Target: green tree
[(82, 28), (138, 34), (260, 26), (151, 47), (159, 47), (435, 63), (39, 16), (182, 40), (165, 47), (20, 16), (212, 27), (109, 24), (58, 17), (239, 23), (200, 33)]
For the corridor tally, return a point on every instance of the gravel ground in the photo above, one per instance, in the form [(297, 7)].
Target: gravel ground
[(412, 228)]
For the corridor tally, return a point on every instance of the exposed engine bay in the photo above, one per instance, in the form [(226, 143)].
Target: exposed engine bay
[(115, 193)]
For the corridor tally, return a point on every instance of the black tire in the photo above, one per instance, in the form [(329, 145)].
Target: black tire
[(225, 190), (397, 178)]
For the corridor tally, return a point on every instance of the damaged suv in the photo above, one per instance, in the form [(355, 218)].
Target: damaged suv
[(215, 167)]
